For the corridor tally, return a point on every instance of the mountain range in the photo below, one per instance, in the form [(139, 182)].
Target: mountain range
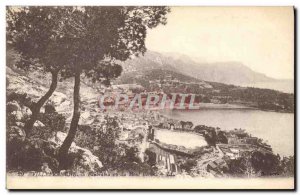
[(231, 72), (153, 72)]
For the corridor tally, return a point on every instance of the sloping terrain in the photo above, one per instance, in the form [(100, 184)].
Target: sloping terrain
[(223, 72)]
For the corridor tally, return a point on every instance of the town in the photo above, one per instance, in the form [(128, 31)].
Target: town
[(210, 158)]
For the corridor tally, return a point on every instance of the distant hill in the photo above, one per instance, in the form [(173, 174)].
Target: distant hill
[(223, 72), (147, 76), (154, 75)]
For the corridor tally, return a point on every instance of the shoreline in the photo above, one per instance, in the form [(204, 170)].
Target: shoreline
[(168, 116)]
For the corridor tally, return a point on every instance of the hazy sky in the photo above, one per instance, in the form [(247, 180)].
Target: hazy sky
[(259, 37)]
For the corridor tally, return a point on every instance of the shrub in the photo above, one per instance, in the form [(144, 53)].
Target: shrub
[(29, 155), (188, 165), (22, 98)]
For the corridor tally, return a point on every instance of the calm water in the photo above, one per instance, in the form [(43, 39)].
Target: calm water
[(276, 128)]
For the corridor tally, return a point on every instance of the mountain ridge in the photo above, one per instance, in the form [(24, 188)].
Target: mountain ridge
[(230, 72)]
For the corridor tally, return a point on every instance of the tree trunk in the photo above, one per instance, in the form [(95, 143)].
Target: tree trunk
[(63, 151), (36, 107)]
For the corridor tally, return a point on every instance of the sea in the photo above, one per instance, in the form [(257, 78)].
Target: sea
[(277, 129)]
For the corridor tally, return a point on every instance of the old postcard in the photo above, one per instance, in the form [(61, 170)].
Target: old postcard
[(150, 97)]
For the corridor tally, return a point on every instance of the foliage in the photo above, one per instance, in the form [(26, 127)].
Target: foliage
[(131, 163), (30, 154), (287, 165), (211, 138), (23, 98), (186, 124), (188, 165), (264, 99), (35, 32), (22, 153), (38, 35), (76, 40), (237, 167), (52, 119), (101, 140), (221, 138), (99, 37), (266, 163), (261, 164)]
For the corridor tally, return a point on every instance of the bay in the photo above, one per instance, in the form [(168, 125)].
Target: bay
[(277, 129)]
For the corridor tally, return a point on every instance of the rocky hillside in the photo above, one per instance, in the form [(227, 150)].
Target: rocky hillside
[(42, 147), (36, 83)]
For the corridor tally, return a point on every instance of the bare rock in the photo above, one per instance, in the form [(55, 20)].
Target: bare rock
[(18, 115), (38, 124)]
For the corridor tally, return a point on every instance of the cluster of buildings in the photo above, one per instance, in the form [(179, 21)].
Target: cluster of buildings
[(240, 138), (170, 81), (138, 130)]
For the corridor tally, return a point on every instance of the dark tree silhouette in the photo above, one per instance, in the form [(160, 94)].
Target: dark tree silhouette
[(211, 137), (221, 138), (266, 163), (102, 36), (37, 34)]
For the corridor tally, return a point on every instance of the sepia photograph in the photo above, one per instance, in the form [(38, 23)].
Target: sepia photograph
[(150, 97)]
